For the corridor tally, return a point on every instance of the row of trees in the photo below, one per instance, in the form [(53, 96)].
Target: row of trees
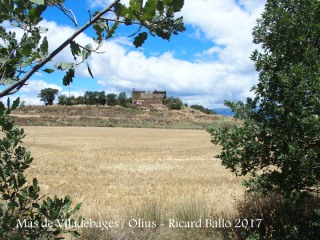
[(96, 98), (202, 109), (48, 95)]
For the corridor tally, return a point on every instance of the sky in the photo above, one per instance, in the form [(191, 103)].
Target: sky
[(206, 64)]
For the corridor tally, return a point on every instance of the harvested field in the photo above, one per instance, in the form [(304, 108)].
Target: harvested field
[(116, 170)]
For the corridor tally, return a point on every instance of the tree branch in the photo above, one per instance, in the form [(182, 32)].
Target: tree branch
[(65, 11), (17, 85), (120, 21)]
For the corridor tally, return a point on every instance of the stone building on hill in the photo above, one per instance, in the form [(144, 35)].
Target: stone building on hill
[(141, 98)]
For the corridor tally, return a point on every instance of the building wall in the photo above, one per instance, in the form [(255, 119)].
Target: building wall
[(145, 99)]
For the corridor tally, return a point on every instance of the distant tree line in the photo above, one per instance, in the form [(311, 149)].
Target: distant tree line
[(203, 109), (48, 95), (96, 98)]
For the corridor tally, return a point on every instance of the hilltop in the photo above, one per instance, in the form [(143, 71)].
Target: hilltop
[(106, 116)]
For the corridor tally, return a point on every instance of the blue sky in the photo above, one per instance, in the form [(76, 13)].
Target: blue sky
[(208, 63)]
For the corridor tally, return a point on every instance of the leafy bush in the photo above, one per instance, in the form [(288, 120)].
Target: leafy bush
[(24, 214), (202, 109), (278, 143), (173, 103)]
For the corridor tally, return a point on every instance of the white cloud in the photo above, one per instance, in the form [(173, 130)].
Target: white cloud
[(29, 93), (223, 71), (57, 34), (104, 3), (35, 86), (132, 69)]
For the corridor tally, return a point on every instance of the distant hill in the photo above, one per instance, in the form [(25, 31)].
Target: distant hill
[(224, 111), (105, 116)]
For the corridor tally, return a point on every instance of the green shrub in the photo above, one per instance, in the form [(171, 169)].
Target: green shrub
[(173, 103), (203, 109), (24, 214)]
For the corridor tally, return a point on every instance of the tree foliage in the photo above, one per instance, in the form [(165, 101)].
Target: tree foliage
[(112, 99), (24, 213), (122, 99), (48, 95), (173, 103), (278, 144), (21, 57), (202, 109), (93, 98)]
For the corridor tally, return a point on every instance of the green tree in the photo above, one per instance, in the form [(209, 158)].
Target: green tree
[(112, 99), (64, 100), (202, 109), (278, 144), (123, 99), (48, 95), (94, 98), (173, 103), (79, 100)]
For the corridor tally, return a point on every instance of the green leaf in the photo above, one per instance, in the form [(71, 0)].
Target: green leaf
[(119, 9), (76, 208), (89, 70), (68, 78), (2, 107), (64, 66), (39, 2), (149, 9), (75, 49), (140, 39), (6, 196), (67, 203), (44, 47), (40, 10), (163, 34), (8, 103), (99, 29), (160, 7), (86, 52), (177, 5), (15, 103), (113, 29), (36, 205), (76, 234), (48, 70), (135, 6), (21, 180), (127, 21)]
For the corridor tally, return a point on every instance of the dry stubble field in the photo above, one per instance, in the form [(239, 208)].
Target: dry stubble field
[(115, 170)]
